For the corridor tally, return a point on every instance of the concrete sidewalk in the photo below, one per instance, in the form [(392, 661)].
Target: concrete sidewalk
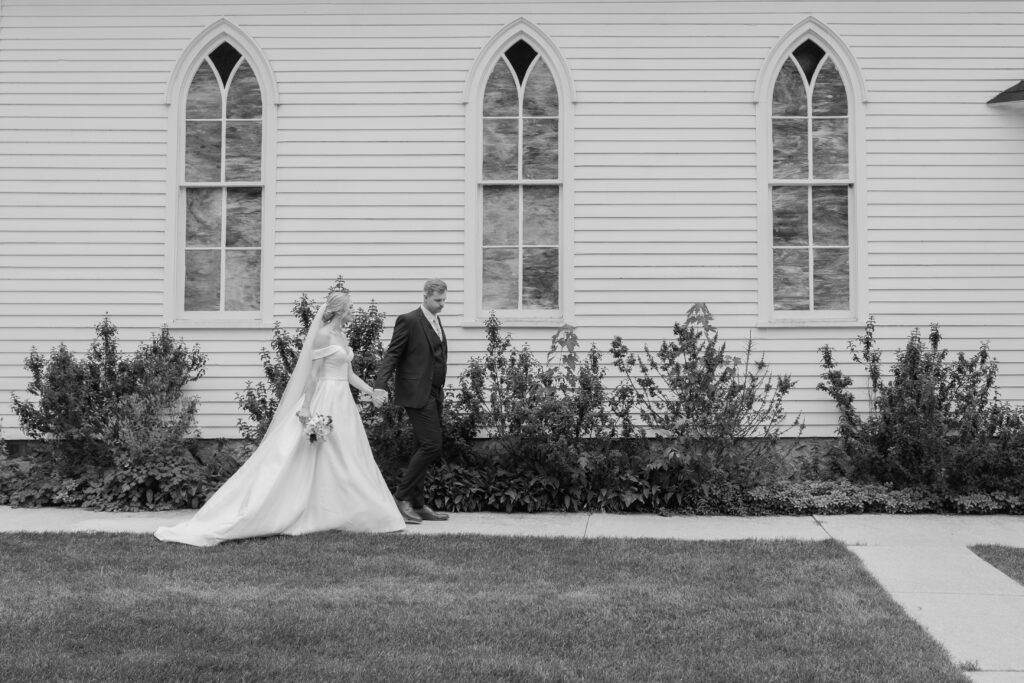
[(975, 611)]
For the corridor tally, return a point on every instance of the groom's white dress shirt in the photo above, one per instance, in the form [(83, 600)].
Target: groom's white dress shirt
[(434, 322)]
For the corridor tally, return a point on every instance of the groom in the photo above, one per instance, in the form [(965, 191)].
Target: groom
[(418, 355)]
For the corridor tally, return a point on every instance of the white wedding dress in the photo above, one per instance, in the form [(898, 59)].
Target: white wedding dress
[(291, 486)]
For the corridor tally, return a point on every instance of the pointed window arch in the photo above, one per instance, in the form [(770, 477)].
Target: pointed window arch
[(517, 245), (810, 250), (221, 111)]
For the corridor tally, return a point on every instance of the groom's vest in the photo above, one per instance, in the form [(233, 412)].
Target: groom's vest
[(440, 368)]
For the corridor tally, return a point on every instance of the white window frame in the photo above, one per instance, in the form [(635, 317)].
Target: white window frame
[(473, 311), (192, 57), (857, 97)]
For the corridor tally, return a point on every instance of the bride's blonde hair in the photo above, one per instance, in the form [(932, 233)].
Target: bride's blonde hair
[(336, 303)]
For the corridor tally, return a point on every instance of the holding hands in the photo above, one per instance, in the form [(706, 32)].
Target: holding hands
[(379, 397)]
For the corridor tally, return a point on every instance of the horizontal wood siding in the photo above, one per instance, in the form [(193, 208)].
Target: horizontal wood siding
[(371, 156)]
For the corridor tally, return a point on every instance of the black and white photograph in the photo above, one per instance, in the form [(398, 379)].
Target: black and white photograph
[(499, 340)]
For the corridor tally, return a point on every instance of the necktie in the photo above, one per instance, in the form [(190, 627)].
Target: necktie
[(436, 324)]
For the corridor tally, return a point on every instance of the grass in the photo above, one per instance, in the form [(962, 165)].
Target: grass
[(338, 606), (1009, 561)]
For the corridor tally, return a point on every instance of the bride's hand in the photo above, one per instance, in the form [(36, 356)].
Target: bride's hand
[(303, 415)]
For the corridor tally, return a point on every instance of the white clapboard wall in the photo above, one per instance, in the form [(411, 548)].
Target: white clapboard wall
[(370, 171)]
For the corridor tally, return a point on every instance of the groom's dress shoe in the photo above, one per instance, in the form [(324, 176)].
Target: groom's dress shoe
[(428, 515), (408, 514)]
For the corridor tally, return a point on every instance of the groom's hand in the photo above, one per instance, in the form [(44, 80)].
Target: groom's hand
[(380, 397)]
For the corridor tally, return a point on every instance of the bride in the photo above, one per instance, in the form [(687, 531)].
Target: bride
[(290, 485)]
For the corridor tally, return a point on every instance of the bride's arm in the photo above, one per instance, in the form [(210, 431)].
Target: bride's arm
[(307, 396), (357, 381), (314, 377)]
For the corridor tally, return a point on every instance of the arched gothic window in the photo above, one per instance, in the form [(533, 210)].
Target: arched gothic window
[(223, 185), (811, 184), (520, 188)]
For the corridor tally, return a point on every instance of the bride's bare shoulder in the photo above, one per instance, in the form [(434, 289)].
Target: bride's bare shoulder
[(322, 338)]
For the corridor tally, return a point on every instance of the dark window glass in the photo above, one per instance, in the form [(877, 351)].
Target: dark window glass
[(520, 56), (808, 55), (224, 59), (790, 95), (501, 215), (501, 96), (810, 222), (540, 96), (223, 217), (203, 210), (520, 214), (204, 95), (501, 278), (202, 279), (244, 101), (501, 149), (829, 97)]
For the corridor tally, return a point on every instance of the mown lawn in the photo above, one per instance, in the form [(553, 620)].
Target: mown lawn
[(1009, 561), (339, 606)]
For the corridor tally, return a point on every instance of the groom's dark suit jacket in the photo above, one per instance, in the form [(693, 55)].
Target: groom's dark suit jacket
[(418, 358)]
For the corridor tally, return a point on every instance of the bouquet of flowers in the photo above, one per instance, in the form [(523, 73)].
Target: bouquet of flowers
[(318, 427)]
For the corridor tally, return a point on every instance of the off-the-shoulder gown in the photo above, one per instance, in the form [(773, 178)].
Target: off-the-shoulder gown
[(291, 486)]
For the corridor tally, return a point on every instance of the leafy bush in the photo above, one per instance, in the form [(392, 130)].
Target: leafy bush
[(559, 440), (113, 430), (720, 415), (935, 424), (91, 407), (534, 410), (549, 419)]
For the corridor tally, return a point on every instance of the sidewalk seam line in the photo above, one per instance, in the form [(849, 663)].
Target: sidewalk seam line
[(822, 527)]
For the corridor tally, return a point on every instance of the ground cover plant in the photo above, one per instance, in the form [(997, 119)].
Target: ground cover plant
[(1009, 561), (338, 606)]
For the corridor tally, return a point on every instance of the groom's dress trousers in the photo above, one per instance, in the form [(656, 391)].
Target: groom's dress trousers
[(419, 359)]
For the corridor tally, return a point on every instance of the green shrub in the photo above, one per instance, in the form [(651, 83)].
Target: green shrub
[(90, 408), (532, 410), (935, 423), (113, 430), (720, 416), (545, 422), (558, 439)]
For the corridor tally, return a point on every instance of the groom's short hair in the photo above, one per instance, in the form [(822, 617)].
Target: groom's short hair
[(434, 286)]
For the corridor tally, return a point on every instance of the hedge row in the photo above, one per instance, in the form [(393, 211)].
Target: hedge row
[(688, 427)]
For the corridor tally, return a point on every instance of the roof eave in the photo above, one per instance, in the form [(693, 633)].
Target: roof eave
[(1011, 97)]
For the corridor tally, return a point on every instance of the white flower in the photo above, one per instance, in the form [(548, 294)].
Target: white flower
[(318, 427)]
